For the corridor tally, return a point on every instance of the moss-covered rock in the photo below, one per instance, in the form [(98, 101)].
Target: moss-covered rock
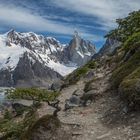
[(44, 128), (125, 69), (130, 88)]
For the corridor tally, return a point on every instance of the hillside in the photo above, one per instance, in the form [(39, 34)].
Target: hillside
[(98, 101)]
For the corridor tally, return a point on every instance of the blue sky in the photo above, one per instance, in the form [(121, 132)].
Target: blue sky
[(59, 18)]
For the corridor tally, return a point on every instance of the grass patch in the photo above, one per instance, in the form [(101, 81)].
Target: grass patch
[(12, 129), (74, 77)]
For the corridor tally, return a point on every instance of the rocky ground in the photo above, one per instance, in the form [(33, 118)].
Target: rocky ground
[(105, 119)]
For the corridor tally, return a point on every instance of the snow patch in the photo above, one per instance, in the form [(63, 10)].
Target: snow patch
[(80, 54), (10, 54), (61, 68), (88, 53), (53, 49)]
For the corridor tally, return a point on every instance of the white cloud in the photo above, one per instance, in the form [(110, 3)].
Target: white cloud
[(106, 11), (18, 17), (23, 18)]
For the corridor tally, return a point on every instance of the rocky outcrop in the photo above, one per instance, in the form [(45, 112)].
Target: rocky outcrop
[(33, 74), (109, 47), (5, 78)]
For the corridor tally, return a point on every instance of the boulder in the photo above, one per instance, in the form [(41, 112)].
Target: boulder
[(88, 96), (73, 101), (56, 86)]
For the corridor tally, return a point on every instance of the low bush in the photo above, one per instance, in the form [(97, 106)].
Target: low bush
[(91, 64), (34, 94), (132, 42)]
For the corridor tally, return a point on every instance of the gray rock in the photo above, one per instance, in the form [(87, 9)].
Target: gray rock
[(23, 102), (28, 74), (109, 47), (90, 75), (73, 101), (6, 78), (88, 96), (56, 86), (78, 92)]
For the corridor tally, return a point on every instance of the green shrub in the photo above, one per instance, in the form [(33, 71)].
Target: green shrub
[(20, 109), (132, 42), (91, 64), (35, 94), (126, 27), (12, 130), (7, 115)]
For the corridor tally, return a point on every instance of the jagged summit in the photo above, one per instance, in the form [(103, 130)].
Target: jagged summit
[(76, 34), (80, 50)]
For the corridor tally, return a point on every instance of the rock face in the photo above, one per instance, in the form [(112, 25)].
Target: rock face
[(79, 50), (28, 59), (110, 45)]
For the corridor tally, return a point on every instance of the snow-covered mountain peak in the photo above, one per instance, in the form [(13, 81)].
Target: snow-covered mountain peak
[(38, 56)]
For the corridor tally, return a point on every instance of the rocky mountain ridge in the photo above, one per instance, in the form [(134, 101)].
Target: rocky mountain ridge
[(35, 60)]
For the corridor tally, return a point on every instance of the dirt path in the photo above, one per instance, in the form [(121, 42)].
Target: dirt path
[(95, 122)]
